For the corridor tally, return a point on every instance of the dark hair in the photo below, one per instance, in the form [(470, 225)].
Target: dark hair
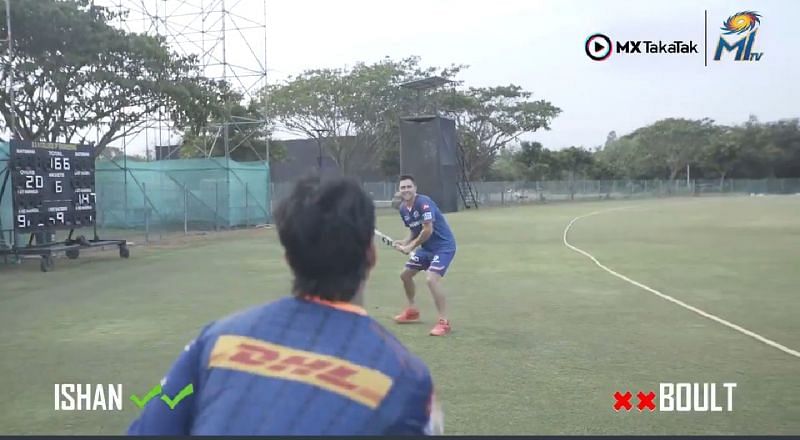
[(407, 177), (326, 229)]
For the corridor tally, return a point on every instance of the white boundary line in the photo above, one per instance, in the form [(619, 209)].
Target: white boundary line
[(667, 297)]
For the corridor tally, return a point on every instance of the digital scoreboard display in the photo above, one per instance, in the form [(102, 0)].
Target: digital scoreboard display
[(53, 186)]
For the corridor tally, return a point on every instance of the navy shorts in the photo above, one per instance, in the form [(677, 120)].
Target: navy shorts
[(423, 259)]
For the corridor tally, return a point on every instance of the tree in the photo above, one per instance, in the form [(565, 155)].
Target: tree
[(73, 73), (723, 152), (675, 142), (489, 119), (535, 162), (574, 161), (783, 138), (611, 138), (242, 127), (504, 168), (757, 156), (357, 111), (378, 105), (113, 154), (625, 158), (663, 149), (353, 112)]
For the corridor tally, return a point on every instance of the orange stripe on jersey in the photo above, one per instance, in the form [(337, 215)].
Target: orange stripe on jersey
[(356, 382), (340, 305)]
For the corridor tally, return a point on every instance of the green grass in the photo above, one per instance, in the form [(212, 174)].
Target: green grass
[(542, 337)]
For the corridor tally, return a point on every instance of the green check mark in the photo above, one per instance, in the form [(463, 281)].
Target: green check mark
[(141, 402), (172, 403)]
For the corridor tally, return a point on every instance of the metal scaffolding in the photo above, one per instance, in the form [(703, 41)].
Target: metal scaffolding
[(229, 39)]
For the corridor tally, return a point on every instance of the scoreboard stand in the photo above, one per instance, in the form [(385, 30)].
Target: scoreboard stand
[(53, 189), (70, 247)]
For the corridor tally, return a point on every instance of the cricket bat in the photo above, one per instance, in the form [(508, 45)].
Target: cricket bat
[(385, 238)]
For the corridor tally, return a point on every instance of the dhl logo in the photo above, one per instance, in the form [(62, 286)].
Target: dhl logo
[(356, 382)]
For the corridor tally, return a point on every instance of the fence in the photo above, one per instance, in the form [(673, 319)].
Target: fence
[(503, 193), (507, 193)]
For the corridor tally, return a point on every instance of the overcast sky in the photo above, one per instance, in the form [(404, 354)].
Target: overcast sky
[(539, 45)]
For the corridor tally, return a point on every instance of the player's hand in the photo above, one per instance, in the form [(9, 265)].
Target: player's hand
[(405, 249), (400, 247)]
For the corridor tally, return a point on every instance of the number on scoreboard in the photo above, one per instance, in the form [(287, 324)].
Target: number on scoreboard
[(59, 163)]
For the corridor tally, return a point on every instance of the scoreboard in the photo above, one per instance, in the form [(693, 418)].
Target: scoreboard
[(53, 186)]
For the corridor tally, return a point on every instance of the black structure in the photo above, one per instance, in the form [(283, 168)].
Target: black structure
[(428, 151), (421, 85), (302, 157), (168, 152), (53, 188)]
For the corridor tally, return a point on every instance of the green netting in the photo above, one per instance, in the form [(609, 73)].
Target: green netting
[(201, 193), (6, 206)]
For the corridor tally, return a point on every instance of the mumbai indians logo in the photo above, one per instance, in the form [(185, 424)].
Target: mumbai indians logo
[(746, 23)]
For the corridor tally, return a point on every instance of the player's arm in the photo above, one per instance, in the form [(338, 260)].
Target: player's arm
[(421, 414), (424, 235), (157, 418), (405, 241), (408, 238), (427, 227)]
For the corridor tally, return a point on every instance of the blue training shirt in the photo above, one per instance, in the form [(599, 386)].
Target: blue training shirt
[(293, 367), (425, 210)]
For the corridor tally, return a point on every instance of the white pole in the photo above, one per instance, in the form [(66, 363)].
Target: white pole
[(688, 173)]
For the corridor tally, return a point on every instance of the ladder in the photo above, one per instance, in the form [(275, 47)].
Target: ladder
[(464, 187)]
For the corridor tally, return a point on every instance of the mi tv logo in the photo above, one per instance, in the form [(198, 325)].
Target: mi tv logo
[(745, 24)]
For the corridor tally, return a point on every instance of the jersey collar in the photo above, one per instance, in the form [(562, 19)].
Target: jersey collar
[(339, 305), (413, 202)]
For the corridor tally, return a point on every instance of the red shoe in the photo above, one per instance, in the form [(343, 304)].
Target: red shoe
[(442, 328), (410, 314)]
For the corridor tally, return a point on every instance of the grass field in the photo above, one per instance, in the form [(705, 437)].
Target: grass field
[(542, 336)]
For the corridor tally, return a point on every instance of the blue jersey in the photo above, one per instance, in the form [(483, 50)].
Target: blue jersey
[(293, 367), (424, 210)]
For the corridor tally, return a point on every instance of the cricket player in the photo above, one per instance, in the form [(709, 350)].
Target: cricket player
[(312, 363), (432, 248)]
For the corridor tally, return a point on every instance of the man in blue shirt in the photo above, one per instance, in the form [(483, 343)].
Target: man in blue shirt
[(312, 363), (432, 248)]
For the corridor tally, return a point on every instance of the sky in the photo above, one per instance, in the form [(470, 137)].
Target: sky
[(539, 45)]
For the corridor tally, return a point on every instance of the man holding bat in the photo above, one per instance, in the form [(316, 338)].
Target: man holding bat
[(432, 247)]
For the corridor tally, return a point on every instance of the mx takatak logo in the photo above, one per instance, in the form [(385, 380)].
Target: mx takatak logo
[(599, 47)]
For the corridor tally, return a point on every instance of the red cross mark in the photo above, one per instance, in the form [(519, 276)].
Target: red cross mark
[(646, 401), (622, 400)]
